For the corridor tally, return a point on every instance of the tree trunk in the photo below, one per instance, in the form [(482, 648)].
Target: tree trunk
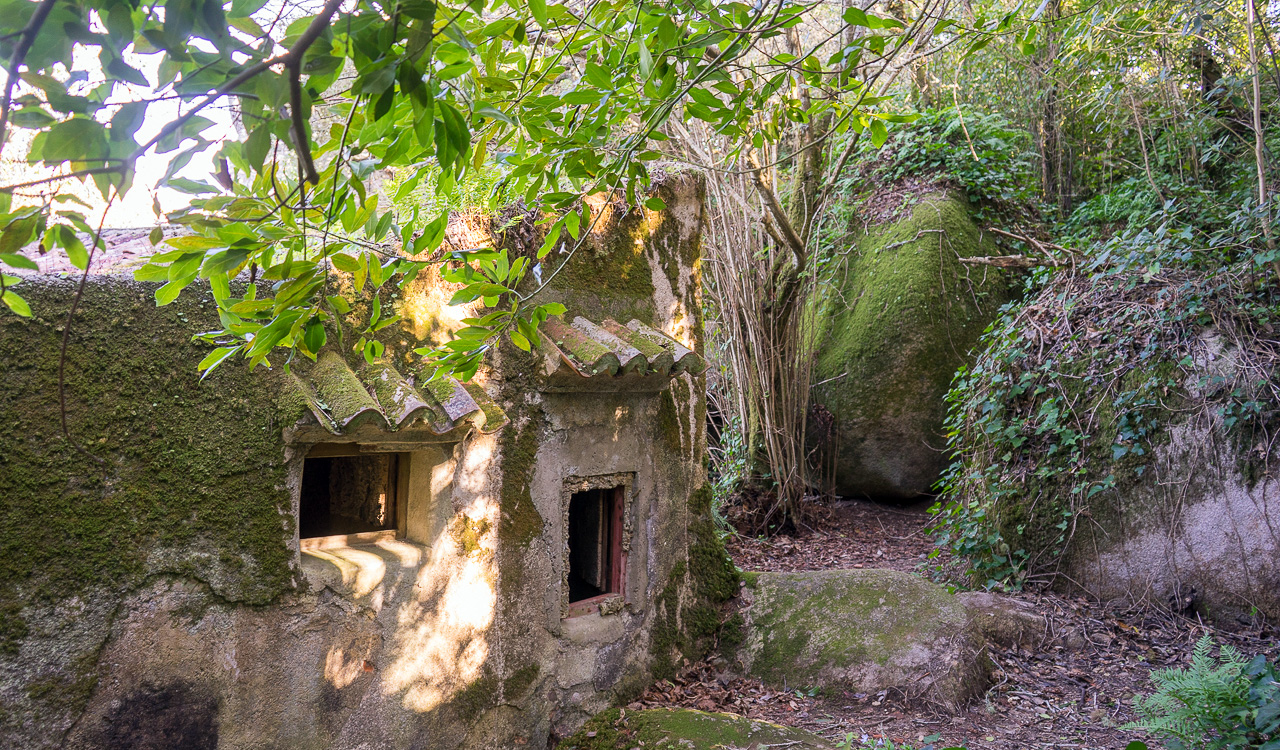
[(1055, 163)]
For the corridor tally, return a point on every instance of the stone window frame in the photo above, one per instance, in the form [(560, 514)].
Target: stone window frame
[(605, 604)]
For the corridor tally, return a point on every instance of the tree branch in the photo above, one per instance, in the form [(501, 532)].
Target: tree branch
[(1011, 261), (788, 232)]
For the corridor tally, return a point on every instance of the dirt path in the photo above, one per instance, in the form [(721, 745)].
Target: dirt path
[(1076, 694)]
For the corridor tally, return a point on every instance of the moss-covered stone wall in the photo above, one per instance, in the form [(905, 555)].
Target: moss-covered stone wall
[(154, 566), (166, 475)]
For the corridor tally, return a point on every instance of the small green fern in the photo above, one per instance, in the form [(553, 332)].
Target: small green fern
[(1213, 704)]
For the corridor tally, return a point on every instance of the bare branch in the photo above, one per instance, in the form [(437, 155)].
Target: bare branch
[(20, 51)]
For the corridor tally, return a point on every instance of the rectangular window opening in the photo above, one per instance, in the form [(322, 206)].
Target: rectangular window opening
[(349, 495), (595, 543)]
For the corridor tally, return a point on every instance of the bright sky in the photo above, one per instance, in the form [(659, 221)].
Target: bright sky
[(136, 208)]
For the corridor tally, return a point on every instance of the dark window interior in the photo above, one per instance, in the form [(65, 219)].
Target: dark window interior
[(348, 494), (595, 543)]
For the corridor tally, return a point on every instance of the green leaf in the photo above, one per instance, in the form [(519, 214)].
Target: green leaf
[(215, 358), (16, 303), (76, 251), (344, 262), (19, 233), (17, 260), (432, 234), (879, 133), (170, 291), (32, 117), (655, 204), (340, 304), (539, 10), (152, 272), (314, 338), (646, 60), (257, 146)]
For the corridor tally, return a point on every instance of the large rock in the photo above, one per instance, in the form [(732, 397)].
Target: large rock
[(897, 317), (873, 630), (687, 729)]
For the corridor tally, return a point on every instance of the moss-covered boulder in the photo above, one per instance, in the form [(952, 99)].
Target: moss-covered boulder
[(896, 317), (686, 729), (1115, 443), (872, 630)]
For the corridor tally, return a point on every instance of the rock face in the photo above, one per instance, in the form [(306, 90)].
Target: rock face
[(871, 630), (1195, 534), (688, 729), (897, 317)]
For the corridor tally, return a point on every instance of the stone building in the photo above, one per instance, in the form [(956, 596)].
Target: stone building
[(338, 554)]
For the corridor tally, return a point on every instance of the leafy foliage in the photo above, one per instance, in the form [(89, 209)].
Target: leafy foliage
[(548, 101), (1071, 388), (981, 153), (1214, 703)]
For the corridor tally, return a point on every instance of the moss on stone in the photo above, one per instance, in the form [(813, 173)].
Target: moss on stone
[(168, 475), (467, 533), (666, 638), (685, 729), (519, 682), (896, 320), (688, 612), (478, 695), (521, 523), (669, 427), (812, 624), (176, 476), (715, 578)]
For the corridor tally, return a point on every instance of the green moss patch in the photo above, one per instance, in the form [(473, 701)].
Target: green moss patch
[(685, 729), (516, 685), (826, 627), (172, 475), (689, 610), (521, 523)]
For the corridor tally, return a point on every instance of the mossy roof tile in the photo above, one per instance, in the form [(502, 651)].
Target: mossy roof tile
[(612, 350), (341, 399)]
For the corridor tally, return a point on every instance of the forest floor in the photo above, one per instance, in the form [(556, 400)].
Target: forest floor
[(1055, 697)]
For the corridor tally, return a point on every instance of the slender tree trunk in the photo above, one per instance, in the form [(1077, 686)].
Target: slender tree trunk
[(1055, 166), (1259, 148)]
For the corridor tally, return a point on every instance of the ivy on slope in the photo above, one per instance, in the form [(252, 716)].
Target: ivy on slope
[(1072, 389)]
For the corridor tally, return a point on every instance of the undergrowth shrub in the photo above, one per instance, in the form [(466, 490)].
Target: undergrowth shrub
[(1219, 703), (981, 153)]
